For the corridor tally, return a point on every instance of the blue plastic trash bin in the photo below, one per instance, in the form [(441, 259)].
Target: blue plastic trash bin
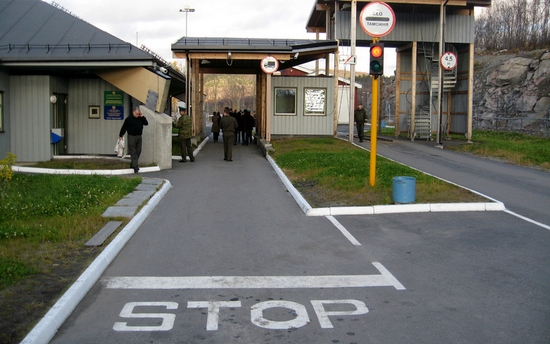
[(404, 189)]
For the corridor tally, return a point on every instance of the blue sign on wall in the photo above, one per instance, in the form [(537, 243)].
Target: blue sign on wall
[(114, 112), (114, 105)]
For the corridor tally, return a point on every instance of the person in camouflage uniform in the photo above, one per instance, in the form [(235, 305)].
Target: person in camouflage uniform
[(185, 132)]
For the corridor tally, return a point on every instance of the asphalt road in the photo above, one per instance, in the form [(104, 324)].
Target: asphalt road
[(228, 257)]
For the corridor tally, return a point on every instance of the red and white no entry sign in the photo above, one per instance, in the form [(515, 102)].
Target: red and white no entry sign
[(377, 19), (269, 64)]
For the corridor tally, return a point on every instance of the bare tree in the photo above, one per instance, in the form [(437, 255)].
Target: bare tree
[(514, 24)]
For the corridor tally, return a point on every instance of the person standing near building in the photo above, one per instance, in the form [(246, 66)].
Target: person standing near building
[(228, 125), (185, 133), (134, 126), (360, 117), (216, 125), (248, 124)]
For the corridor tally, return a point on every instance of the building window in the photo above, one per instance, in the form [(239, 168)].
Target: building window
[(1, 111), (285, 101), (315, 101)]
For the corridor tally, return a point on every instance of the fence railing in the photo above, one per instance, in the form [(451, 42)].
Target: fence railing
[(534, 127)]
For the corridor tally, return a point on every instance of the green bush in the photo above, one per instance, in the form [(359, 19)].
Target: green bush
[(6, 170)]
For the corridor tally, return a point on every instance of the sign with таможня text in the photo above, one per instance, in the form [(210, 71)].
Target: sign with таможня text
[(377, 19)]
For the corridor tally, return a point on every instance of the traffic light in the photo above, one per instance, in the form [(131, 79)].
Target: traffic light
[(376, 59)]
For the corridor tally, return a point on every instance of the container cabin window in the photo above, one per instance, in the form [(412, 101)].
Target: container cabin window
[(285, 101), (1, 111), (315, 101)]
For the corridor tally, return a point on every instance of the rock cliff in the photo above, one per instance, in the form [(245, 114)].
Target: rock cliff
[(512, 92)]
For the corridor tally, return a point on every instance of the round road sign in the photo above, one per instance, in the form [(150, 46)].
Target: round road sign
[(377, 19), (448, 60), (269, 64)]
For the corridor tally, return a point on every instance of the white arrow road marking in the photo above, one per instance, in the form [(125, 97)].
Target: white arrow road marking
[(385, 279)]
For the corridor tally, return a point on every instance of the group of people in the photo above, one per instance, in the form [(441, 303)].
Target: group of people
[(243, 131), (236, 127)]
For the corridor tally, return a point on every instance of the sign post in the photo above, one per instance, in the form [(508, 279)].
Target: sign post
[(377, 20)]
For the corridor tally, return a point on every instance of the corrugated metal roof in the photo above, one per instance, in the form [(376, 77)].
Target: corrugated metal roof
[(266, 45), (33, 30)]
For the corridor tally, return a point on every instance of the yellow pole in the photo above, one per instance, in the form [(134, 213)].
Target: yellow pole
[(374, 126)]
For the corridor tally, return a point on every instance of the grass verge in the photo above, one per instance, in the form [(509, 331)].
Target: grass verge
[(515, 148), (44, 222), (332, 172)]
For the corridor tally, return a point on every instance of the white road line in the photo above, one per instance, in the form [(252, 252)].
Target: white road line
[(388, 276), (527, 219), (385, 279), (344, 231)]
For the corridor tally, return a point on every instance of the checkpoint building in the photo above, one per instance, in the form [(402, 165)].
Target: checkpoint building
[(65, 85)]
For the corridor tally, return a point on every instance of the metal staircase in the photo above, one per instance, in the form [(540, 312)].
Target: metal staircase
[(424, 112)]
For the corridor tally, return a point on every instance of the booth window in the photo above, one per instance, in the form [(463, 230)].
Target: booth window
[(315, 101), (285, 101), (1, 111)]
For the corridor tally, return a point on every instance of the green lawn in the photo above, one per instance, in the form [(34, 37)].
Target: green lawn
[(330, 172)]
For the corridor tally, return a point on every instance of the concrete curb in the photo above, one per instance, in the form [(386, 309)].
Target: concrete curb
[(45, 330), (47, 327), (83, 172), (39, 170), (386, 209)]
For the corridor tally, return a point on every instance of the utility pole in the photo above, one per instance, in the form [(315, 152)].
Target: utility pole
[(353, 33), (186, 9)]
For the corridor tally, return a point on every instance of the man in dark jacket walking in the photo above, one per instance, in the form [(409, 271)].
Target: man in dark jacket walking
[(134, 126), (360, 117), (228, 126)]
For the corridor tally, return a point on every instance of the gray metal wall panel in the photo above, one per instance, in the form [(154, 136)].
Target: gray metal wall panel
[(85, 135), (30, 114), (411, 27), (300, 124), (5, 136)]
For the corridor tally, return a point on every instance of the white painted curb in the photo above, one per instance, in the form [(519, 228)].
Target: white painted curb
[(386, 209), (83, 172), (45, 330)]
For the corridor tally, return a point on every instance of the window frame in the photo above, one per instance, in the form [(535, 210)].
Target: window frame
[(314, 113), (276, 103)]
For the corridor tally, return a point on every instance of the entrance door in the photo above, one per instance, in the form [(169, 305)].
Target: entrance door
[(60, 121)]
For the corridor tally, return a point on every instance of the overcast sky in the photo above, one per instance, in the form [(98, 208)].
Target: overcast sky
[(159, 23)]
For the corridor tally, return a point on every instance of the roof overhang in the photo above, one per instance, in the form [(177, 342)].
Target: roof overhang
[(242, 55)]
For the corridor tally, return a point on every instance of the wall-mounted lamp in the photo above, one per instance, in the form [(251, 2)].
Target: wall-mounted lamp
[(229, 55), (296, 55), (53, 99)]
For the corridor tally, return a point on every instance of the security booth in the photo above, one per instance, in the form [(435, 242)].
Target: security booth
[(307, 105)]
